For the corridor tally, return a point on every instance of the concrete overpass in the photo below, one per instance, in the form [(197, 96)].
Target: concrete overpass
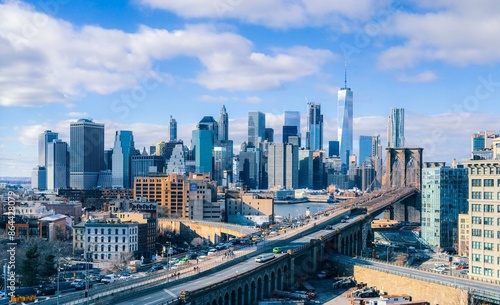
[(208, 230)]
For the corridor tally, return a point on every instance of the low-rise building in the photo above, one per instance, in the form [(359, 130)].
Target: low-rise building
[(249, 208)]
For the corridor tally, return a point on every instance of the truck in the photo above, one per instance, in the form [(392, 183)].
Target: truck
[(108, 279), (298, 295)]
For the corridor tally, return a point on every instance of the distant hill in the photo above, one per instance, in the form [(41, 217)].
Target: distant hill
[(15, 180)]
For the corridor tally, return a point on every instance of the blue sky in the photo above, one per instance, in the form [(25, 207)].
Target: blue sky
[(132, 64)]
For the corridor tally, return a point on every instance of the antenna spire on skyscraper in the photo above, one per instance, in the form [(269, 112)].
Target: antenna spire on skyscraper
[(345, 74)]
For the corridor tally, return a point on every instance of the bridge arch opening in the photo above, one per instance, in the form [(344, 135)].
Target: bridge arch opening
[(259, 289), (239, 300), (266, 286), (279, 283), (273, 281), (252, 292), (246, 295), (233, 298)]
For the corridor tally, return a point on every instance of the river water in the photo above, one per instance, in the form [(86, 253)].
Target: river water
[(299, 209)]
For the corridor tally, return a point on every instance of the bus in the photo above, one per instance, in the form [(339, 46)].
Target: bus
[(264, 257)]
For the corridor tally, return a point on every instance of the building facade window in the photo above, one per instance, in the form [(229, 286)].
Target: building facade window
[(476, 220), (476, 207), (476, 257), (476, 270), (476, 195), (476, 232), (488, 221), (488, 195), (488, 272), (489, 234), (476, 245), (488, 259), (489, 208), (476, 182), (488, 246), (489, 182)]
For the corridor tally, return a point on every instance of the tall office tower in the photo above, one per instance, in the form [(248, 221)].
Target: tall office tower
[(223, 125), (289, 131), (160, 148), (123, 151), (333, 148), (39, 178), (344, 122), (256, 128), (152, 150), (57, 165), (146, 165), (108, 159), (209, 123), (172, 129), (482, 140), (44, 139), (365, 149), (86, 151), (444, 196), (377, 160), (484, 215), (291, 126), (314, 136), (283, 166), (305, 169), (203, 145), (177, 160), (292, 118), (396, 128), (248, 171), (269, 135), (223, 160)]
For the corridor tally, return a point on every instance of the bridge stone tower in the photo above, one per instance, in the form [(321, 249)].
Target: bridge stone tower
[(403, 168)]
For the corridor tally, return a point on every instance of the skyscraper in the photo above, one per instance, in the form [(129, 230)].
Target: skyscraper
[(314, 136), (172, 129), (365, 149), (123, 151), (291, 126), (44, 139), (396, 128), (283, 166), (223, 125), (256, 128), (57, 165), (209, 123), (203, 145), (333, 148), (444, 196), (344, 122), (86, 153)]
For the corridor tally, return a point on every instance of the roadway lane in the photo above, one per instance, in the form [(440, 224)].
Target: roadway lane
[(164, 295), (450, 280)]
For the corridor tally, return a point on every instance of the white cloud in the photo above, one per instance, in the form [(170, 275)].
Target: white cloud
[(75, 114), (227, 99), (456, 32), (422, 77), (53, 61), (274, 13)]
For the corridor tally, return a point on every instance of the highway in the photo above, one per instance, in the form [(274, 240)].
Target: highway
[(164, 295), (437, 278)]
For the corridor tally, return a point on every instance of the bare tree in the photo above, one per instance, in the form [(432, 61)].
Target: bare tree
[(198, 241), (119, 262)]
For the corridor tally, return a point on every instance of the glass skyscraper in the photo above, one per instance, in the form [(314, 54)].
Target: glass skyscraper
[(203, 146), (396, 128), (123, 151), (314, 136), (445, 192), (256, 128), (365, 149), (344, 123), (43, 140), (57, 165), (86, 153), (172, 129), (223, 125), (291, 126)]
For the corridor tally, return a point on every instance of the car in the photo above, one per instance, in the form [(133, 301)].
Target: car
[(212, 251), (124, 275), (328, 227), (75, 282), (439, 269), (43, 290), (82, 285), (277, 250), (154, 268), (108, 279)]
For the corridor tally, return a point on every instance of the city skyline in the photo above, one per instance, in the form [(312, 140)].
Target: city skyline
[(247, 58)]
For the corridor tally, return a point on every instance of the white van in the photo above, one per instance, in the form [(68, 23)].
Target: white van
[(264, 257), (108, 279)]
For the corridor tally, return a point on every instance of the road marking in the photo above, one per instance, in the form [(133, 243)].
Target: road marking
[(147, 298), (170, 292)]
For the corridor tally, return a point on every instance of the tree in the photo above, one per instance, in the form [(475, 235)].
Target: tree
[(30, 266), (198, 241), (119, 262), (48, 268)]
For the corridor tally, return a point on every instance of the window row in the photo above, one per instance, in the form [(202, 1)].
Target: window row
[(123, 231), (488, 208), (123, 239)]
